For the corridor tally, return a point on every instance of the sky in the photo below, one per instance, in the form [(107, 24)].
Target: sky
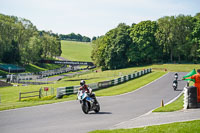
[(94, 17)]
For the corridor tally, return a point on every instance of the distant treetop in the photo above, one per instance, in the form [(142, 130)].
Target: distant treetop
[(74, 37)]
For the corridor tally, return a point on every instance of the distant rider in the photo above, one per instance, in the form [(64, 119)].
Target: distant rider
[(87, 89), (176, 76)]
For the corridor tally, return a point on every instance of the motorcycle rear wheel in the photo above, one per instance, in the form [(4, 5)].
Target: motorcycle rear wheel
[(85, 107), (97, 109)]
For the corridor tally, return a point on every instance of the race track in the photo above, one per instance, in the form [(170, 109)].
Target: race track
[(68, 117)]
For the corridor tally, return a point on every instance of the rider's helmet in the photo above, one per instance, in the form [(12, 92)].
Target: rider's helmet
[(82, 82), (176, 76)]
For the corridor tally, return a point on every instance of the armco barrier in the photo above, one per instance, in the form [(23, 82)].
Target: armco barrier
[(76, 88), (94, 86), (104, 84), (64, 91)]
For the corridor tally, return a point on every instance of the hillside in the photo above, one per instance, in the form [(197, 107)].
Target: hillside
[(76, 51)]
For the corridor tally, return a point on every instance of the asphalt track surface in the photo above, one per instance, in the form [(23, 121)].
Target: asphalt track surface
[(68, 117)]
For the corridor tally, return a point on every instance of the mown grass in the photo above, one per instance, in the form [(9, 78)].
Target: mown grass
[(174, 106), (76, 51), (176, 67), (177, 127), (42, 67), (33, 68)]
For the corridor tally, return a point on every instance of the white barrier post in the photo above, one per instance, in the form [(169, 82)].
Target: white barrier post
[(60, 92), (185, 104)]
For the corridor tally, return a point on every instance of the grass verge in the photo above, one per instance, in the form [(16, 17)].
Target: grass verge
[(177, 127), (174, 106)]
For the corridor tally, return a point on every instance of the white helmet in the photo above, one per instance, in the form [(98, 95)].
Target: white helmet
[(82, 82)]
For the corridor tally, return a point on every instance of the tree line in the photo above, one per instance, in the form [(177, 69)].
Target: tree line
[(22, 43), (170, 39), (74, 37)]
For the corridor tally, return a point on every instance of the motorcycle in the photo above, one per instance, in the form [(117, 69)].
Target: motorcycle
[(87, 103), (175, 84), (176, 76)]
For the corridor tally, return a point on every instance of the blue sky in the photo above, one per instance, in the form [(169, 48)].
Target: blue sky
[(94, 17)]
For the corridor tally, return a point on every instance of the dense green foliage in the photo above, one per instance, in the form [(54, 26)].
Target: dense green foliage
[(110, 50), (21, 42), (74, 37), (170, 39)]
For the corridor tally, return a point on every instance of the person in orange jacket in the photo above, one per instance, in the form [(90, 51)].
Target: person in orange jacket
[(197, 83)]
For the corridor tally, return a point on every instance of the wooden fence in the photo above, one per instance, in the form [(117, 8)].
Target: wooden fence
[(31, 92)]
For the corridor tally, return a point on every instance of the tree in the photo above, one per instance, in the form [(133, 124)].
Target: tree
[(184, 26), (21, 42), (110, 50), (173, 36), (98, 52), (85, 39), (143, 47), (74, 37), (164, 36), (94, 38), (196, 40)]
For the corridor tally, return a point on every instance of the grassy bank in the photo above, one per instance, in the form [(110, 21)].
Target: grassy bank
[(174, 106), (76, 51), (176, 67), (177, 127)]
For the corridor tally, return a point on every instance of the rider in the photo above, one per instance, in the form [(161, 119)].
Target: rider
[(175, 83), (176, 76), (87, 89)]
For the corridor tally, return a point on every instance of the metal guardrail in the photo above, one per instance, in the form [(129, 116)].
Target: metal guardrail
[(61, 91)]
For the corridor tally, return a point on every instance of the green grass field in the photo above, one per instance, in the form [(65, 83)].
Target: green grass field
[(76, 51), (174, 106), (177, 127), (176, 67)]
